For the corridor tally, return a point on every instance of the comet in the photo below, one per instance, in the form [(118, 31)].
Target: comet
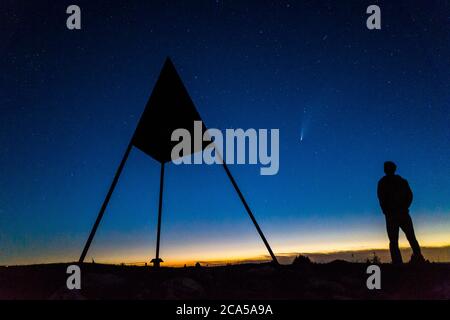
[(304, 124)]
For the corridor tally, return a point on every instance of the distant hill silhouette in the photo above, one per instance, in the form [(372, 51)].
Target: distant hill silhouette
[(433, 254)]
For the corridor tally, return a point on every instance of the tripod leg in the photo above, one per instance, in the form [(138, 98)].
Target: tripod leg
[(157, 260), (252, 217), (105, 203)]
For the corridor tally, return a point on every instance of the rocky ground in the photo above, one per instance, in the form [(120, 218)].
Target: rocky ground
[(335, 280)]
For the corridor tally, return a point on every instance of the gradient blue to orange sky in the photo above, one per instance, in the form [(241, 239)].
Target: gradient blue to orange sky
[(70, 101)]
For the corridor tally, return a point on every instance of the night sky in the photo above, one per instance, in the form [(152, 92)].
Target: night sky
[(70, 101)]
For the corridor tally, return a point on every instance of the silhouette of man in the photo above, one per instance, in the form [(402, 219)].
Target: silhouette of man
[(395, 198)]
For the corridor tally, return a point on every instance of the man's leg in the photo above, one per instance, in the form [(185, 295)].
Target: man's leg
[(408, 228), (392, 228)]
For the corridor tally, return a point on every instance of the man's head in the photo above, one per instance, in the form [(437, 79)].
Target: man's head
[(389, 168)]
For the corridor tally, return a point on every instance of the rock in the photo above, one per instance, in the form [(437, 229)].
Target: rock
[(66, 294), (182, 288)]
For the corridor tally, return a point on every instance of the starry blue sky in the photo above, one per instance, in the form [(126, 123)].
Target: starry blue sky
[(70, 101)]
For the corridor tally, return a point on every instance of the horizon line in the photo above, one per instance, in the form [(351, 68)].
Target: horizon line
[(237, 261)]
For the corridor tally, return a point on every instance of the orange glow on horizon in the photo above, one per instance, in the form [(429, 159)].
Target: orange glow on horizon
[(223, 258), (249, 249)]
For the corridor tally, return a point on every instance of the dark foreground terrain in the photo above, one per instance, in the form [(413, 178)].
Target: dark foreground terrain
[(335, 280)]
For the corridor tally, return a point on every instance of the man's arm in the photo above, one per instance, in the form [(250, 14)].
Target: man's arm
[(409, 193), (380, 195)]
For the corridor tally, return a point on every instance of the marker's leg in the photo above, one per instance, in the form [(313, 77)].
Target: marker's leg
[(158, 234), (105, 203), (247, 208)]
